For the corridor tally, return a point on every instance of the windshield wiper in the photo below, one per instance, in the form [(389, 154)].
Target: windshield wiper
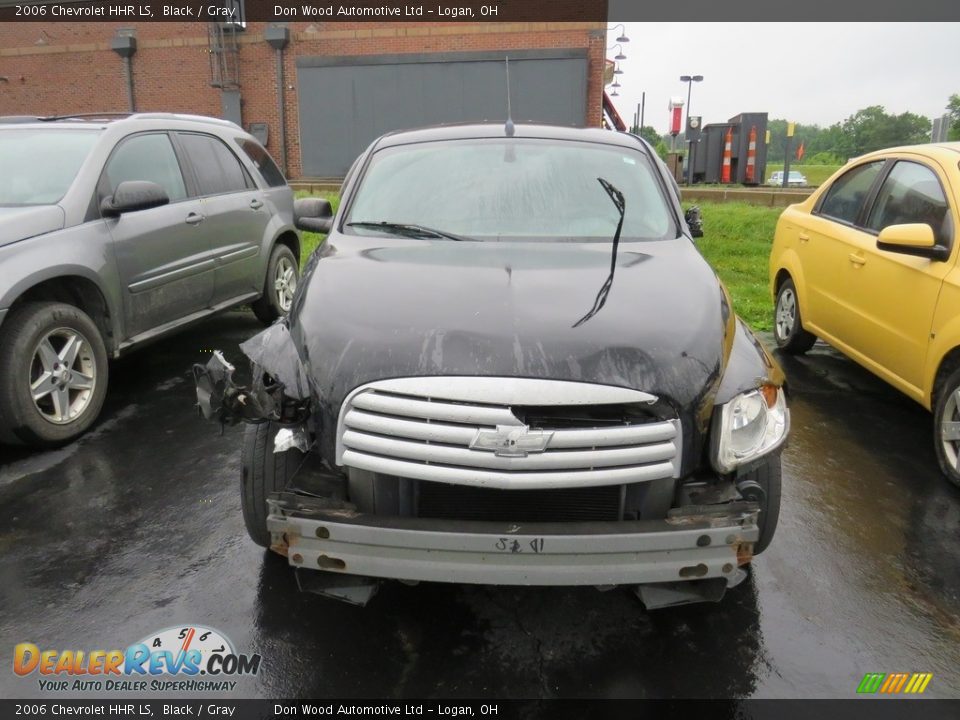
[(407, 230), (617, 198)]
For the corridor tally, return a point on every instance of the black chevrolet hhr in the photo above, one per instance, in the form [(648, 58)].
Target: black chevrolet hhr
[(509, 364)]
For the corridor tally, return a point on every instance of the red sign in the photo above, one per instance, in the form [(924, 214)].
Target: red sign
[(675, 121)]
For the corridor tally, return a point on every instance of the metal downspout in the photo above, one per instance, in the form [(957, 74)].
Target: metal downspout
[(281, 113)]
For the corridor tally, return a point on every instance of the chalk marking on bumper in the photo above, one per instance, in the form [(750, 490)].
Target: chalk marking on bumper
[(379, 548)]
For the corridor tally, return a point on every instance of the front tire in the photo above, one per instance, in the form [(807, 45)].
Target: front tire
[(283, 275), (53, 374), (768, 476), (787, 323), (946, 427), (263, 472)]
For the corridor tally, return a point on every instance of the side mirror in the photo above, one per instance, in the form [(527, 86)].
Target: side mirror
[(912, 239), (694, 221), (313, 215), (133, 195)]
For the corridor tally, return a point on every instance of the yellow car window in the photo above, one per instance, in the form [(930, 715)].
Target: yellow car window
[(911, 193), (845, 199)]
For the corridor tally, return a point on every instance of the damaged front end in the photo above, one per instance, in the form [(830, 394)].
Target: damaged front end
[(279, 390)]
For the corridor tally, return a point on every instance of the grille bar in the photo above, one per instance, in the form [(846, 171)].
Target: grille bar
[(460, 435), (465, 457), (412, 407), (505, 479)]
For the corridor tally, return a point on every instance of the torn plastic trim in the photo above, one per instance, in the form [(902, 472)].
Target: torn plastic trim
[(274, 351), (289, 438), (656, 596), (279, 391)]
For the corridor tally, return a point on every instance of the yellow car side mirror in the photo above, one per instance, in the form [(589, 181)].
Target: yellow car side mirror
[(912, 239), (914, 235)]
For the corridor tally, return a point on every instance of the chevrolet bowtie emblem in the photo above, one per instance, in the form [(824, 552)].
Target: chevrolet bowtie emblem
[(511, 441)]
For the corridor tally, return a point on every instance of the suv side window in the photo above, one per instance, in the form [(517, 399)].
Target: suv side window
[(262, 161), (911, 193), (146, 157), (218, 170), (844, 201)]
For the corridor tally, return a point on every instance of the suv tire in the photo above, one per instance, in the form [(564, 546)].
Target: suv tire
[(947, 410), (787, 324), (53, 374), (282, 277), (263, 472)]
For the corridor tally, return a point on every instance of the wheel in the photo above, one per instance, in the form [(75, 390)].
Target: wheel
[(767, 475), (278, 289), (787, 324), (53, 374), (946, 427), (263, 472)]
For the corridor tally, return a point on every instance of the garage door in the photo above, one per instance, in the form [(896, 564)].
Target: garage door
[(347, 102)]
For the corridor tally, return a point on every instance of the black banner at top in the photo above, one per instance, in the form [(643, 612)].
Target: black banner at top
[(238, 12)]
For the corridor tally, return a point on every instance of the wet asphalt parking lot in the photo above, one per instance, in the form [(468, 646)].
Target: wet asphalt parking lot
[(137, 527)]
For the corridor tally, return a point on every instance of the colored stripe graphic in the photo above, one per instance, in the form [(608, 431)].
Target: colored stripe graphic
[(894, 683), (871, 682)]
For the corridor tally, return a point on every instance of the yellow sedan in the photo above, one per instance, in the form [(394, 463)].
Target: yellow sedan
[(868, 263)]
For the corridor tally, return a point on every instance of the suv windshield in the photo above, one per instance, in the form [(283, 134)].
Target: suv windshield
[(511, 189), (40, 164)]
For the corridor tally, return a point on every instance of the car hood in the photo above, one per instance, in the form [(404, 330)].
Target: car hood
[(20, 223), (376, 308)]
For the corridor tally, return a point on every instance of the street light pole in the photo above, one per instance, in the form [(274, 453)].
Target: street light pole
[(689, 80)]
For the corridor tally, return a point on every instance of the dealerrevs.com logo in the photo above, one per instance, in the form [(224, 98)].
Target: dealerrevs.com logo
[(180, 659)]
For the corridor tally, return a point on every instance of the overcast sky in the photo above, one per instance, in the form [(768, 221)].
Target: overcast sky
[(811, 73)]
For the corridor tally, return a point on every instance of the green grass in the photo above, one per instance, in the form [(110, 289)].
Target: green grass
[(736, 242), (309, 240), (816, 175)]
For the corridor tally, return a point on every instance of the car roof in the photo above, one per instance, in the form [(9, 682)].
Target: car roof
[(945, 151), (104, 119), (469, 131)]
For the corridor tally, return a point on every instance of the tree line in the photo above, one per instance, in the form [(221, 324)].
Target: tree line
[(869, 129)]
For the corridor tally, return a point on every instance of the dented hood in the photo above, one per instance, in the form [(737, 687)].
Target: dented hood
[(376, 308)]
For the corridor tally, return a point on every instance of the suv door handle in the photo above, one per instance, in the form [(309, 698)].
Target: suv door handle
[(194, 219), (256, 204), (857, 259), (803, 237)]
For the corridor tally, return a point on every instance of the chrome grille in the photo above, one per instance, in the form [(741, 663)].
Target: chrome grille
[(423, 428)]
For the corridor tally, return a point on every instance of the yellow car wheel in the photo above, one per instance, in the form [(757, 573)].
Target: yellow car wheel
[(787, 326), (946, 427)]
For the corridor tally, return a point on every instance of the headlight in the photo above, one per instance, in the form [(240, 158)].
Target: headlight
[(752, 424)]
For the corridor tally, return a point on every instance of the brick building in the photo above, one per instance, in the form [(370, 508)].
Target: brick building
[(347, 82)]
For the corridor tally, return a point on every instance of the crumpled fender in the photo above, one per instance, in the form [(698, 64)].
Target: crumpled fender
[(749, 365), (279, 390), (274, 351)]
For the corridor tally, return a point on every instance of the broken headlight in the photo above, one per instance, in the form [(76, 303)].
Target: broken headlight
[(753, 424)]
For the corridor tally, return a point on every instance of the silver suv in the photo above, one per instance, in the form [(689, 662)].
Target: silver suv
[(117, 229)]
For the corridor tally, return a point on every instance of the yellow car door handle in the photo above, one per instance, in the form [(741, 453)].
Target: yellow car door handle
[(803, 237), (857, 259)]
